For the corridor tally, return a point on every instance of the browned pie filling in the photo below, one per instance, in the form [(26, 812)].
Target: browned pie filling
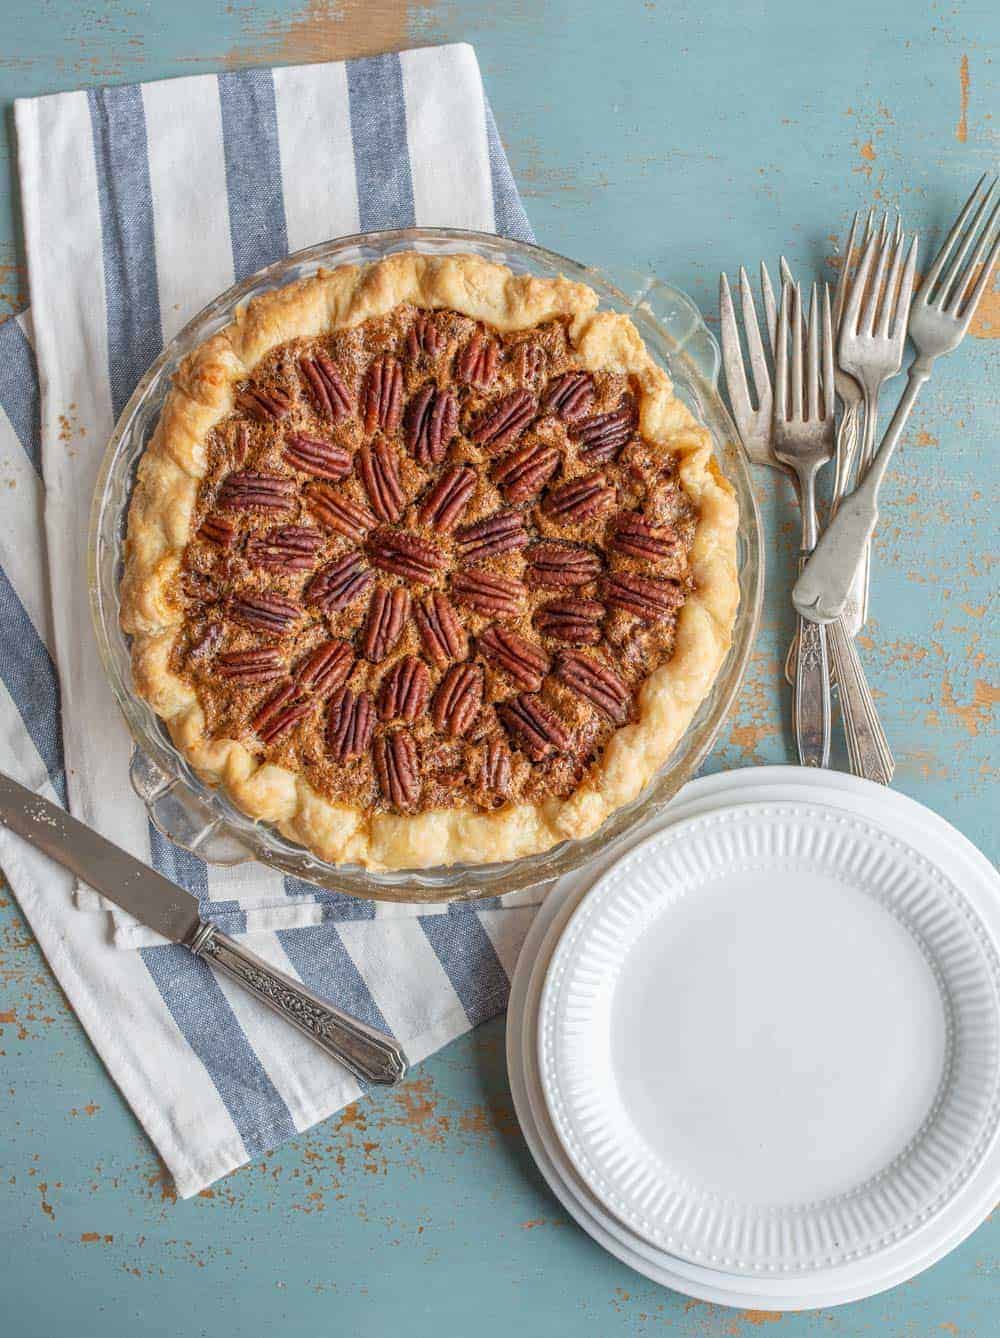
[(431, 564)]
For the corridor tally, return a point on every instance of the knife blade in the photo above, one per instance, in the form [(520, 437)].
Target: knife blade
[(173, 912)]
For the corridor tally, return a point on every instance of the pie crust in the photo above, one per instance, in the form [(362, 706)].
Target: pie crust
[(165, 504)]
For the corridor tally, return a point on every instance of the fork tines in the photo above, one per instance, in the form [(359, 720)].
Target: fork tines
[(958, 289)]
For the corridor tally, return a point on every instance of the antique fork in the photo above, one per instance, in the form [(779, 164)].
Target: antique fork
[(803, 439), (867, 746), (938, 322)]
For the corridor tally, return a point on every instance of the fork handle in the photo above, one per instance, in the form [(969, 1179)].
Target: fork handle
[(867, 747), (812, 693), (824, 583)]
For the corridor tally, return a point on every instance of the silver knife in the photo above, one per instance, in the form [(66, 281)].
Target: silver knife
[(173, 912)]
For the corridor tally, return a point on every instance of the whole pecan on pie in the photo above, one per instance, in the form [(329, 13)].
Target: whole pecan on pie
[(639, 538), (431, 424), (442, 636), (286, 548), (424, 338), (217, 530), (404, 691), (443, 506), (350, 719), (327, 389), (387, 615), (599, 684), (571, 619), (405, 554), (339, 583), (476, 364), (378, 470), (650, 598), (579, 499), (267, 406), (279, 713), (487, 593), (533, 727), (382, 395), (569, 396), (207, 643), (256, 490), (530, 361), (243, 667), (501, 532), (525, 662), (555, 564), (313, 455), (269, 613), (395, 757), (339, 513), (495, 770), (503, 422), (524, 472), (326, 669), (458, 698), (600, 438)]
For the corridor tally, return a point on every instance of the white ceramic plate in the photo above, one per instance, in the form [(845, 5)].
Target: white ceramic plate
[(826, 1287), (770, 1039)]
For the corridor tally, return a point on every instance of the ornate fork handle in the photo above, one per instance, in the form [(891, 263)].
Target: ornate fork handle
[(867, 746), (812, 693), (368, 1054)]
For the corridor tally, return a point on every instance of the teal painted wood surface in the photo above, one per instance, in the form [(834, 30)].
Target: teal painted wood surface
[(677, 137)]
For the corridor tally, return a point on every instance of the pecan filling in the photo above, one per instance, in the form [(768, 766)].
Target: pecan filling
[(431, 564)]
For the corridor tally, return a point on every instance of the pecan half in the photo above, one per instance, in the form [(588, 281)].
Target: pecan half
[(260, 665), (287, 548), (405, 689), (241, 444), (326, 669), (206, 643), (441, 634), (524, 473), (650, 598), (502, 532), (278, 714), (526, 663), (601, 438), (387, 615), (579, 499), (395, 757), (217, 530), (382, 395), (313, 455), (256, 490), (448, 498), (495, 769), (597, 683), (339, 583), (272, 613), (199, 585), (458, 699), (267, 406), (637, 538), (576, 620), (533, 727), (379, 472), (530, 361), (339, 513), (555, 564), (329, 394), (350, 719), (424, 337), (406, 554), (476, 365), (431, 423), (503, 422), (487, 593), (569, 396)]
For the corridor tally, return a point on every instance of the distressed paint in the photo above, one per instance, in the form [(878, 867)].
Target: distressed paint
[(418, 1211)]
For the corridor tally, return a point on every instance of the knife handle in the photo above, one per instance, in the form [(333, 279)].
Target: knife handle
[(368, 1054)]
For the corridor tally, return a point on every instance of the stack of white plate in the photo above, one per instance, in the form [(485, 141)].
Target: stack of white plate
[(756, 1053)]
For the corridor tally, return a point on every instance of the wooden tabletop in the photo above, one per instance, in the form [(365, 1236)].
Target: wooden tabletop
[(661, 136)]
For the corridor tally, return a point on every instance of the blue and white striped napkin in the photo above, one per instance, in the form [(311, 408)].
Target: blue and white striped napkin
[(141, 203)]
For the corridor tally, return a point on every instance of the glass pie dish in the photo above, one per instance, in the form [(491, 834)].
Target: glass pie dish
[(202, 819)]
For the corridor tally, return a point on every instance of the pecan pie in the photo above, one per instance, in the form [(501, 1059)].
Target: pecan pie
[(426, 562)]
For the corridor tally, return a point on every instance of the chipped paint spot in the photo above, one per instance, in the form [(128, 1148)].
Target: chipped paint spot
[(759, 1317), (926, 439), (986, 322), (962, 129), (975, 714), (323, 30), (867, 151)]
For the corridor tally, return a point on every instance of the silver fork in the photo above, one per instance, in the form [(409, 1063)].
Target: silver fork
[(867, 746), (938, 321), (803, 439)]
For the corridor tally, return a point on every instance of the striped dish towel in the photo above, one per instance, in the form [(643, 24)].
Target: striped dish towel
[(140, 204)]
